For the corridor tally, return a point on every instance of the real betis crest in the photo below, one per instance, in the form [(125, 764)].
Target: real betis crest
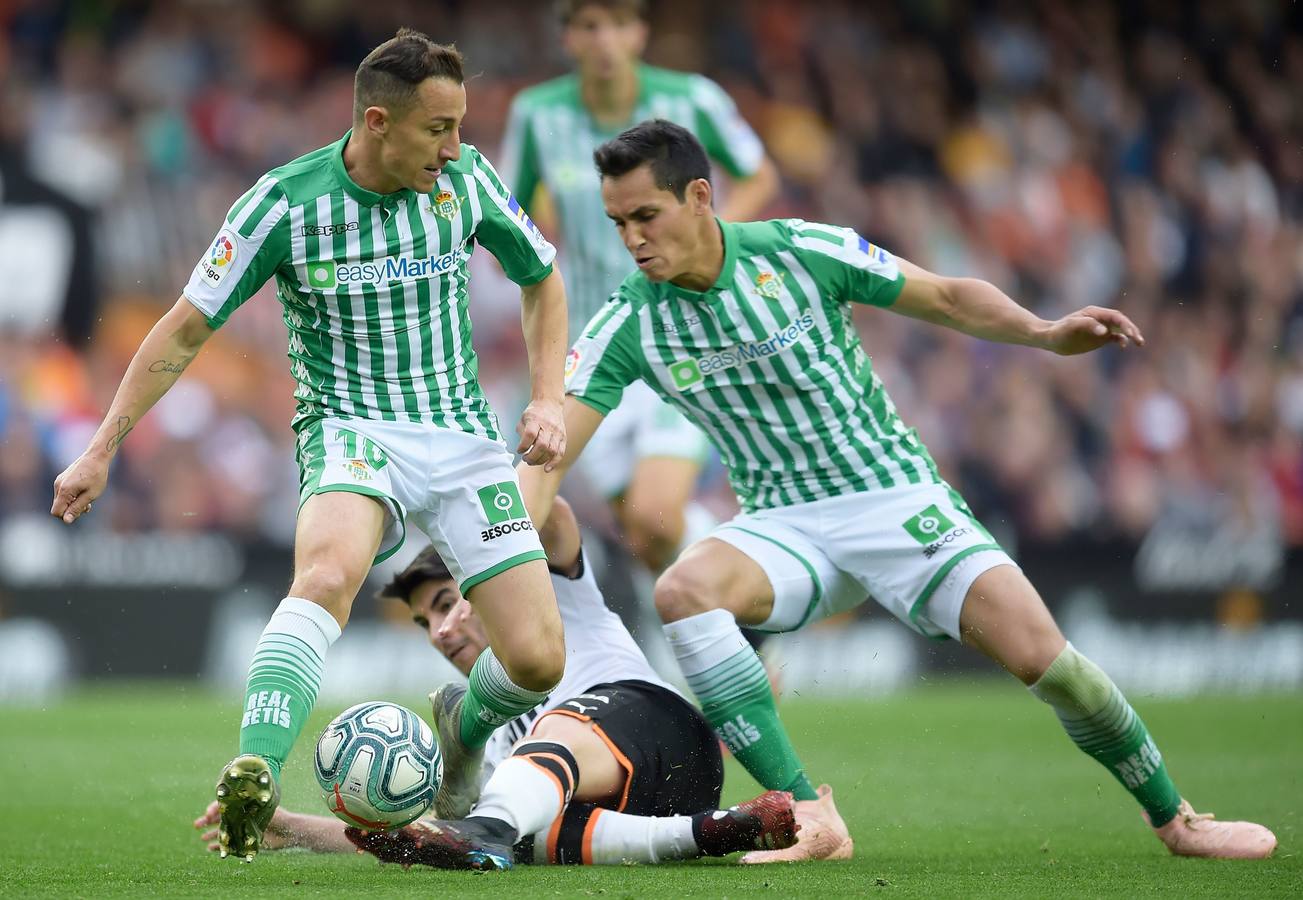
[(768, 284), (445, 205)]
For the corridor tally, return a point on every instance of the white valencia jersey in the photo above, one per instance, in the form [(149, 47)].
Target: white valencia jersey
[(599, 649)]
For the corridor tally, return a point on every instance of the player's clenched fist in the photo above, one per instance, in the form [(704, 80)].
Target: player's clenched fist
[(78, 486), (542, 434)]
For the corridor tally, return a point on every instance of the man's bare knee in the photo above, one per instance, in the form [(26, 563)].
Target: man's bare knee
[(680, 592), (330, 584), (650, 537), (538, 668)]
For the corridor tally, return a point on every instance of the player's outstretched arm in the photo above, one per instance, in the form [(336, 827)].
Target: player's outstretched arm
[(539, 484), (320, 834), (543, 320), (163, 355), (747, 197), (981, 309)]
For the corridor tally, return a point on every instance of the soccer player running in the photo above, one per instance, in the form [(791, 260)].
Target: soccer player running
[(746, 328), (641, 768), (368, 239), (646, 458)]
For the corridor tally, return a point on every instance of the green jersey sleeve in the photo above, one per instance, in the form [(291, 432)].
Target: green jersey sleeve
[(727, 137), (846, 266), (519, 159), (606, 358), (506, 230), (252, 244)]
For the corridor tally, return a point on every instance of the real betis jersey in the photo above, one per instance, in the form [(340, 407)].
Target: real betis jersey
[(767, 362), (551, 137), (373, 286)]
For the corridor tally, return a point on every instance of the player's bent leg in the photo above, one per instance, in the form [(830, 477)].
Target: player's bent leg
[(1005, 618), (563, 757), (701, 598), (512, 676), (533, 657), (601, 777), (591, 835), (336, 539), (335, 542), (529, 790)]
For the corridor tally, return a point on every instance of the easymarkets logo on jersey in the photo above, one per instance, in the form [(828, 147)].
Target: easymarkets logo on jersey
[(691, 371), (328, 274)]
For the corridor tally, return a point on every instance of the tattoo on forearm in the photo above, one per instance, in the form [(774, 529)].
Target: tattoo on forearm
[(162, 365), (124, 429)]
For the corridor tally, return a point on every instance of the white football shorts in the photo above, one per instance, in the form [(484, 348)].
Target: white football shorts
[(915, 549)]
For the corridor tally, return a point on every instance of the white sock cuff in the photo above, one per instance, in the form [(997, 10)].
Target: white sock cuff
[(705, 640), (521, 794), (308, 621)]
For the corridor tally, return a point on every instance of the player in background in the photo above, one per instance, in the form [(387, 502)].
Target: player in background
[(646, 458), (648, 765), (368, 240), (746, 328)]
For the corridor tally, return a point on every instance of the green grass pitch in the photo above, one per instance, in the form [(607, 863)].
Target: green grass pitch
[(953, 789)]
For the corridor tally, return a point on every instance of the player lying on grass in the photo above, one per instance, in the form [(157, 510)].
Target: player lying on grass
[(746, 328), (618, 767)]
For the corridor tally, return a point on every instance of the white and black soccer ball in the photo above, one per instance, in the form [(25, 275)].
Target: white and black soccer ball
[(378, 765)]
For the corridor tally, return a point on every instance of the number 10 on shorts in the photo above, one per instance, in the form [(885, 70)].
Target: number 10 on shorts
[(502, 502)]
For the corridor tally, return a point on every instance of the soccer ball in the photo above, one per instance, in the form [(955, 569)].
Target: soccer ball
[(378, 765)]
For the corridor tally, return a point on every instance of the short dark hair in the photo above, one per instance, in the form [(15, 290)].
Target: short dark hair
[(676, 156), (568, 9), (428, 566), (391, 73)]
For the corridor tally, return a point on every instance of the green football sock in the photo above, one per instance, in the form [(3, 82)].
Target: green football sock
[(492, 700), (284, 676), (730, 681), (1101, 722)]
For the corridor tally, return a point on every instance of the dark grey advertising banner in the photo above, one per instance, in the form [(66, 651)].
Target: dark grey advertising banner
[(176, 605)]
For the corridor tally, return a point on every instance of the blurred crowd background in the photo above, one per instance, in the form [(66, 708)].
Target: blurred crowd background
[(1144, 155)]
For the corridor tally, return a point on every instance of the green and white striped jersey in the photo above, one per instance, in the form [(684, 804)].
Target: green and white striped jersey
[(551, 137), (767, 362), (373, 286)]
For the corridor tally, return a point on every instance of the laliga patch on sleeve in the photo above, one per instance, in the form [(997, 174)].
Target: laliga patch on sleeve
[(220, 258)]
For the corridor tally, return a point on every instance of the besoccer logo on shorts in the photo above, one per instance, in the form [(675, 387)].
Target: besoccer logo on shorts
[(502, 502), (929, 525), (504, 509)]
